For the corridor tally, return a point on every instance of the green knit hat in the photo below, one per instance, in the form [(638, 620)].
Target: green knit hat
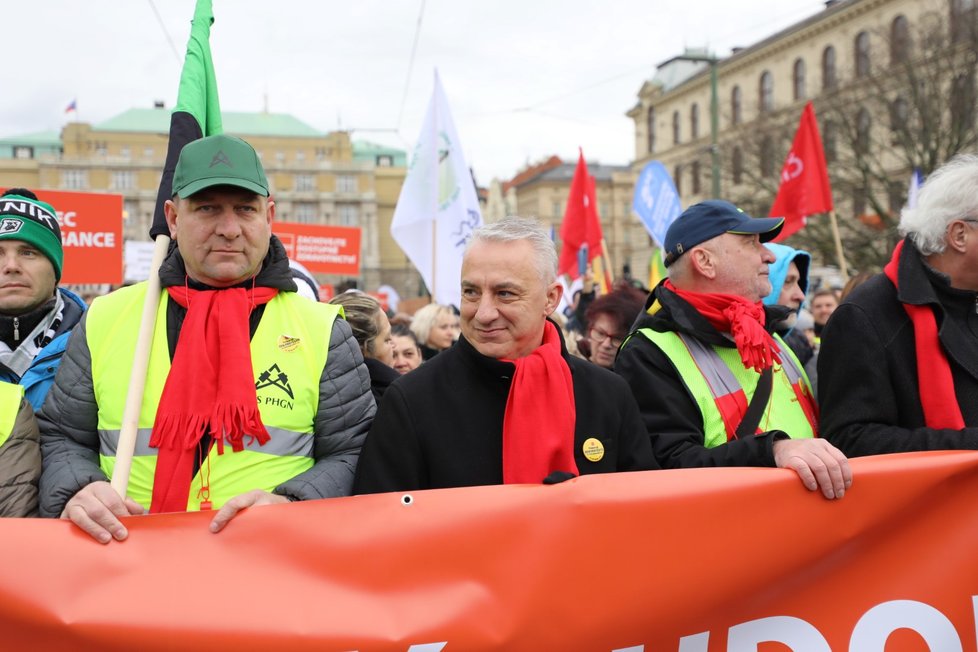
[(35, 222), (218, 161)]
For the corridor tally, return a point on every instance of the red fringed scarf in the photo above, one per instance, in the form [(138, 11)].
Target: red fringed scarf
[(742, 319), (210, 388), (538, 427), (935, 383)]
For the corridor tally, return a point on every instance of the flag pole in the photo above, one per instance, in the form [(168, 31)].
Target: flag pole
[(434, 197), (843, 269), (197, 114), (140, 365)]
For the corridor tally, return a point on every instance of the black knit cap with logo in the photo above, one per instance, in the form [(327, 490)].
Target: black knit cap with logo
[(25, 217)]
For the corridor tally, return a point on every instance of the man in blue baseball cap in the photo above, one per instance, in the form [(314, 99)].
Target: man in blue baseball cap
[(714, 385)]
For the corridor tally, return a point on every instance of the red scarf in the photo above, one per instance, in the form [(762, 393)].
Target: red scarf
[(935, 384), (210, 388), (729, 313), (538, 426)]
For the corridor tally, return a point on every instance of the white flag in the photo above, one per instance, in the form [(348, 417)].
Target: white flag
[(438, 208)]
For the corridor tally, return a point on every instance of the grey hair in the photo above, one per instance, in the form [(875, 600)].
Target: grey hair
[(948, 194), (424, 320), (512, 228)]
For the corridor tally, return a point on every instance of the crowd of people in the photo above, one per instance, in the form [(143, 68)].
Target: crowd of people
[(256, 394)]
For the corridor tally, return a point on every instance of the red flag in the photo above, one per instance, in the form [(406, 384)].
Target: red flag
[(805, 188), (581, 224)]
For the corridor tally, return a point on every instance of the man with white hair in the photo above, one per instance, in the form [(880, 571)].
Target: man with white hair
[(898, 368), (507, 403)]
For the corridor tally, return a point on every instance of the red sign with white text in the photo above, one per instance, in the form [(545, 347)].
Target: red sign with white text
[(324, 249), (91, 234)]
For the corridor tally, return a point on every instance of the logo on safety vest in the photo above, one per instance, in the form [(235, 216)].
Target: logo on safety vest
[(274, 377), (287, 343)]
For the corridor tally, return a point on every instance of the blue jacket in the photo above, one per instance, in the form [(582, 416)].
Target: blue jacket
[(39, 377), (778, 270)]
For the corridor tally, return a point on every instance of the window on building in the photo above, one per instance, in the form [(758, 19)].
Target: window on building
[(677, 179), (122, 180), (864, 126), (305, 183), (306, 212), (829, 80), (101, 147), (829, 140), (899, 40), (555, 209), (125, 151), (963, 20), (346, 183), (385, 161), (349, 214), (798, 79), (694, 121), (963, 102), (23, 152), (650, 128), (899, 113), (300, 155), (697, 181), (675, 127), (320, 153), (859, 202), (737, 163), (765, 88), (862, 55), (148, 152), (767, 157), (74, 179), (736, 101)]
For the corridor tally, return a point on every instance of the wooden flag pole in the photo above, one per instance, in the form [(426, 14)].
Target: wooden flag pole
[(140, 365), (843, 268)]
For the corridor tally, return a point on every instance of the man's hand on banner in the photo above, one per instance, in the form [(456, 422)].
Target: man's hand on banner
[(818, 463), (96, 508), (231, 508)]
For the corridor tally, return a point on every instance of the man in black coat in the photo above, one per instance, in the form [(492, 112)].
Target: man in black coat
[(696, 358), (506, 404), (898, 368)]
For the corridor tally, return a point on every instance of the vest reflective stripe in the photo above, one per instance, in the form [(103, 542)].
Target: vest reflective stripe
[(721, 386), (11, 396), (282, 442), (288, 352)]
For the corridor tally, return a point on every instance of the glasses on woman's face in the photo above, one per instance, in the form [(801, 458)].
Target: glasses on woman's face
[(598, 336)]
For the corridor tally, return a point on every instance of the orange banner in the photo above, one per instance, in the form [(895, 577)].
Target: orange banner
[(325, 249), (701, 560), (91, 234)]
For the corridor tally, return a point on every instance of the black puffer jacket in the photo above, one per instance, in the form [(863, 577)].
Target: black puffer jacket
[(672, 417), (867, 365)]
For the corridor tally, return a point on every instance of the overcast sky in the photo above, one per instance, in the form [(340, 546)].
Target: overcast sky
[(524, 78)]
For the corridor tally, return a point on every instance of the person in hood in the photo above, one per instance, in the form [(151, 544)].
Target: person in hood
[(789, 285)]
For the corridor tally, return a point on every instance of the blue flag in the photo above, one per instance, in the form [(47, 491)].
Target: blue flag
[(656, 201)]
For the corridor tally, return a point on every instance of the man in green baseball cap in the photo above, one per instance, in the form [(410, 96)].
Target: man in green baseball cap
[(36, 316), (245, 404)]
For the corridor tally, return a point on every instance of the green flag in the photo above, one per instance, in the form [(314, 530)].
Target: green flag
[(198, 110)]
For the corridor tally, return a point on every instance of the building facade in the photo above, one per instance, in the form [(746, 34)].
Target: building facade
[(315, 177), (540, 191), (892, 82)]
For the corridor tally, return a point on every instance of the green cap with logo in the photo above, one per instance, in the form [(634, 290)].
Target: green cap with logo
[(219, 160)]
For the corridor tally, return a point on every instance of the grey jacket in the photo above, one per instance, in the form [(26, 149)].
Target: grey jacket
[(70, 442)]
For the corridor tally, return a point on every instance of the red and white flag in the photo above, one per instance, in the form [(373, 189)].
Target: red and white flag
[(805, 188)]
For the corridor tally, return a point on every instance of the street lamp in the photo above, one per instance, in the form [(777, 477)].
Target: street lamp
[(714, 113)]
